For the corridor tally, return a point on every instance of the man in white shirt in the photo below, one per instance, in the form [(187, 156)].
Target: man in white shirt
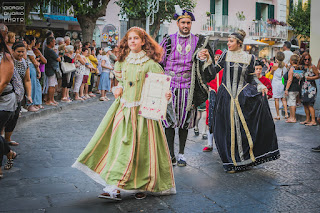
[(287, 52)]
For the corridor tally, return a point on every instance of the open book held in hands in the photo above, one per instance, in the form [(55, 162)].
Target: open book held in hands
[(153, 103)]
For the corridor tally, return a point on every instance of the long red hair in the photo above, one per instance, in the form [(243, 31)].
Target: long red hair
[(151, 47)]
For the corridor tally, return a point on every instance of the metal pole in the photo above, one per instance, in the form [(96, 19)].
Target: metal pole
[(147, 24)]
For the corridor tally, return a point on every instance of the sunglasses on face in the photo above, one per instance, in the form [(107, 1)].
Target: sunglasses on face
[(306, 59)]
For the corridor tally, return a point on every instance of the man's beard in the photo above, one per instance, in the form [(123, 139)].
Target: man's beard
[(183, 33)]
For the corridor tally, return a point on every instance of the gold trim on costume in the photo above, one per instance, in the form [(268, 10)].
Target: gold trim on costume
[(185, 15)]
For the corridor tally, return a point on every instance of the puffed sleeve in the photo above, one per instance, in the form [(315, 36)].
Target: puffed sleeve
[(155, 68), (118, 72), (164, 44)]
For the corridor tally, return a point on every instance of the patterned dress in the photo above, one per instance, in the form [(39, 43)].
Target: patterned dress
[(243, 126), (129, 152), (308, 88)]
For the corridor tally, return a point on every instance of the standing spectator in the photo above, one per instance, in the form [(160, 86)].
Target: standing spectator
[(99, 57), (292, 88), (52, 65), (265, 67), (11, 39), (94, 62), (85, 87), (8, 102), (104, 84), (67, 78), (67, 41), (86, 44), (258, 71), (308, 88), (278, 71), (35, 75), (39, 56), (80, 69), (113, 60), (21, 82), (94, 44), (287, 52), (45, 86)]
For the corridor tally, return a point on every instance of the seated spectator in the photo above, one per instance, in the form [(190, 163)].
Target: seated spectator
[(258, 71)]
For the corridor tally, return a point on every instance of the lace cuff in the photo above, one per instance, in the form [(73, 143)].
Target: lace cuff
[(114, 88)]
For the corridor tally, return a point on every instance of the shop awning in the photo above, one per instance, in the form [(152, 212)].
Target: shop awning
[(281, 45), (248, 41)]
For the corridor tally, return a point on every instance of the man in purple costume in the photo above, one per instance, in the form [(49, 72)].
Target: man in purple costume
[(187, 59)]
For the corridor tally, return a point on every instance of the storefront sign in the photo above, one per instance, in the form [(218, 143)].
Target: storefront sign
[(13, 13), (61, 18)]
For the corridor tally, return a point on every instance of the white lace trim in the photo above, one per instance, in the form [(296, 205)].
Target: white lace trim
[(184, 36), (261, 87), (137, 58), (239, 56), (109, 188), (130, 105)]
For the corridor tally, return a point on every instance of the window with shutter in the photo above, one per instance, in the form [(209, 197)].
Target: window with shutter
[(212, 6), (258, 11), (271, 11), (225, 7)]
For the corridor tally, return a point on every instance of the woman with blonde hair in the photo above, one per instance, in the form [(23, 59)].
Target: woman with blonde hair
[(278, 70), (129, 153), (11, 39)]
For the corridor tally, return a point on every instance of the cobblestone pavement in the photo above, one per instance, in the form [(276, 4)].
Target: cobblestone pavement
[(42, 179)]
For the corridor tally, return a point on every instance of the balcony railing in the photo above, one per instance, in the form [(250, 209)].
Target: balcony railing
[(51, 9), (262, 29), (258, 29)]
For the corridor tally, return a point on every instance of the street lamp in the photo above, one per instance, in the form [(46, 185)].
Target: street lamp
[(153, 8)]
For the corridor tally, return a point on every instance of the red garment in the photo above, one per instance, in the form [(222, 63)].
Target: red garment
[(267, 83), (215, 86)]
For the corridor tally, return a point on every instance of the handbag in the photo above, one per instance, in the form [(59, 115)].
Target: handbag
[(67, 67)]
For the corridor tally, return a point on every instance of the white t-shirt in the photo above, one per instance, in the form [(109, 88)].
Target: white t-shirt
[(108, 63), (287, 56)]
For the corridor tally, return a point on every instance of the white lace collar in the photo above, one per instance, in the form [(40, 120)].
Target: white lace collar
[(238, 56), (137, 58)]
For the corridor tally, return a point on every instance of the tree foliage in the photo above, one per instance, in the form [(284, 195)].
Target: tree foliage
[(299, 19), (139, 10)]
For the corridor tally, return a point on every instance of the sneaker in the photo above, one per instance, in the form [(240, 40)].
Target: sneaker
[(181, 160), (207, 149), (174, 161), (316, 149), (196, 131), (204, 136)]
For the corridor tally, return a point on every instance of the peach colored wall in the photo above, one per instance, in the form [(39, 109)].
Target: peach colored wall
[(200, 10)]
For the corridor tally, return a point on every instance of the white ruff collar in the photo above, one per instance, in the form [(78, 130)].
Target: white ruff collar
[(137, 58), (239, 56), (183, 36)]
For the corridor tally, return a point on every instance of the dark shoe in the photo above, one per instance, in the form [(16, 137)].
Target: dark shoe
[(196, 131), (316, 149), (204, 137), (174, 161)]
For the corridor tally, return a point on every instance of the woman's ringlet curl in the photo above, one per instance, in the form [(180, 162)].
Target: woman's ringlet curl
[(151, 47)]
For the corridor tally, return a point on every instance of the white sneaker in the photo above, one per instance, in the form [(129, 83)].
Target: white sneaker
[(181, 160), (23, 110)]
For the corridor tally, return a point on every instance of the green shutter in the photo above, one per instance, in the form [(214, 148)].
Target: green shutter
[(290, 6), (258, 11), (212, 6), (225, 7), (271, 11)]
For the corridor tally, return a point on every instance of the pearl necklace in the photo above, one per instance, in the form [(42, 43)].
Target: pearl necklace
[(179, 47)]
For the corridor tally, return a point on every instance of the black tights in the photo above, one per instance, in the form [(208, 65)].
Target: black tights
[(4, 146), (183, 134)]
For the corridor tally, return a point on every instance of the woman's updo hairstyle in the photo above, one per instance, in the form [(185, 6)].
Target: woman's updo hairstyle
[(239, 36), (280, 57)]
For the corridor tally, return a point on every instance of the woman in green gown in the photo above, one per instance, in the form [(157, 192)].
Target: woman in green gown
[(128, 153)]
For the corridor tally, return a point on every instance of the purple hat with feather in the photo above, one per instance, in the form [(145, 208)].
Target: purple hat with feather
[(182, 14)]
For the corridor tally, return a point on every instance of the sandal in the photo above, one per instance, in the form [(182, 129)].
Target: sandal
[(140, 196), (304, 122), (13, 143), (311, 124), (277, 118), (114, 195), (102, 99), (8, 165)]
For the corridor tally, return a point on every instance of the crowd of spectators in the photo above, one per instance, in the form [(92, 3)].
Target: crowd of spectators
[(36, 74)]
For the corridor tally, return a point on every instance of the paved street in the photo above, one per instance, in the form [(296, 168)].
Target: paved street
[(42, 179)]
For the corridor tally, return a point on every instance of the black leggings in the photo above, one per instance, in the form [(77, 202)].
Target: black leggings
[(5, 116), (183, 134), (12, 122), (91, 82)]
